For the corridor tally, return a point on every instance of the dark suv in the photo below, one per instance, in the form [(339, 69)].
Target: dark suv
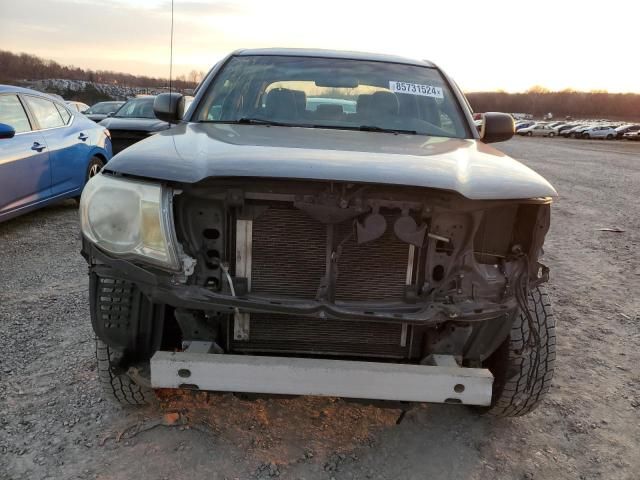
[(367, 243)]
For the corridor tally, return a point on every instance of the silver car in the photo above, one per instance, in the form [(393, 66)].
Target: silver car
[(77, 106), (599, 132), (538, 130)]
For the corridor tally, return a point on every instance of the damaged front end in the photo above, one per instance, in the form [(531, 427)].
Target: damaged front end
[(325, 270), (337, 269)]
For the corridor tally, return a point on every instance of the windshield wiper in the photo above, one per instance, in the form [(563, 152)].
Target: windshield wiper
[(253, 121), (264, 121), (373, 128)]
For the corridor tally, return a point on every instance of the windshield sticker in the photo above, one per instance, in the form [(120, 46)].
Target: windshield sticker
[(416, 89)]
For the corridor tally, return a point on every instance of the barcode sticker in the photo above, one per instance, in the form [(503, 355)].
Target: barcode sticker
[(416, 89)]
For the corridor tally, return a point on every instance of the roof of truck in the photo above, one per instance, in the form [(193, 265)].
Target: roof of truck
[(313, 52)]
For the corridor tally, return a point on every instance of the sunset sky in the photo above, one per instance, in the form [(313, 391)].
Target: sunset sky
[(484, 45)]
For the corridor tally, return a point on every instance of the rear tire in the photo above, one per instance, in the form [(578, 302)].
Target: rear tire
[(551, 135), (523, 373), (529, 134), (118, 385), (586, 136), (609, 137)]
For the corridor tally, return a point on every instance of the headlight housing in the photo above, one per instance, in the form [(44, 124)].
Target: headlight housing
[(130, 219)]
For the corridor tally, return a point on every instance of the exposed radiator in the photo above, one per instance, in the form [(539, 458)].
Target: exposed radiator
[(312, 336), (288, 254), (289, 258), (374, 270)]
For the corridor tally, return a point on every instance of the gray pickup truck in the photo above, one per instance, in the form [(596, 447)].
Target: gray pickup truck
[(322, 223)]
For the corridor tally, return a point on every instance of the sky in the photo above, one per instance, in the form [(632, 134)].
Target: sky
[(484, 45)]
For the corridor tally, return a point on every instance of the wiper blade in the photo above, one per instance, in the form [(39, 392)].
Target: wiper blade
[(252, 121), (373, 128), (264, 121), (261, 121)]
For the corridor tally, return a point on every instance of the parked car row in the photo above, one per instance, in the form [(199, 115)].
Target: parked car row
[(586, 130)]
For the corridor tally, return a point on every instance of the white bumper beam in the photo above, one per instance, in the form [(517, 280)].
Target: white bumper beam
[(335, 378)]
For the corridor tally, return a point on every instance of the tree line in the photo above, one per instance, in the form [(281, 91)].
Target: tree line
[(536, 101), (23, 66), (539, 101)]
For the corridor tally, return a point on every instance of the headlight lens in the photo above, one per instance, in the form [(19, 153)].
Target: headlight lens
[(130, 218)]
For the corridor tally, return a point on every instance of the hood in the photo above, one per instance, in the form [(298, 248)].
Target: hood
[(143, 124), (96, 117), (192, 152)]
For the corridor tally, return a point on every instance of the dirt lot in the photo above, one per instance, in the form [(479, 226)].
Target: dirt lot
[(55, 423)]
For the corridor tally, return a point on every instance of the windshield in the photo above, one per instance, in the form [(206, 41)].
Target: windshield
[(137, 108), (104, 107), (333, 93)]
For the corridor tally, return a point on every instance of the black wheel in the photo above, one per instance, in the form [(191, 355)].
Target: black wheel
[(523, 365), (529, 134), (94, 167), (609, 137), (117, 384), (586, 136)]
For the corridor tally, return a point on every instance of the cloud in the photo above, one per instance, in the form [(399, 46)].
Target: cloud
[(198, 9), (484, 45)]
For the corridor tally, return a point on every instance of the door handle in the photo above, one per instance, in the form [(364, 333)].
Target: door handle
[(38, 147), (83, 137)]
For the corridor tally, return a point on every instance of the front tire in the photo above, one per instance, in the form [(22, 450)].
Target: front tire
[(94, 167), (118, 385), (529, 134), (522, 372), (551, 135)]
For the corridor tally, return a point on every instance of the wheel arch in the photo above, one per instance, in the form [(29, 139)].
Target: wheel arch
[(98, 152)]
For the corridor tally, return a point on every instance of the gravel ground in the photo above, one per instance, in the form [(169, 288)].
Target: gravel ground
[(55, 422)]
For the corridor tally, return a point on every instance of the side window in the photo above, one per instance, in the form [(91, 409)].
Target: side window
[(64, 113), (12, 113), (45, 112)]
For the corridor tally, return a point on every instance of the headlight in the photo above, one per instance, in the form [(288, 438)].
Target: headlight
[(130, 219)]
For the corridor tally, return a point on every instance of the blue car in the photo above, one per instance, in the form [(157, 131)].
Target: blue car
[(47, 151)]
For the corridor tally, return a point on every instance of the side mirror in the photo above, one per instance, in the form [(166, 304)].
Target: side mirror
[(111, 114), (6, 131), (496, 127), (169, 107)]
